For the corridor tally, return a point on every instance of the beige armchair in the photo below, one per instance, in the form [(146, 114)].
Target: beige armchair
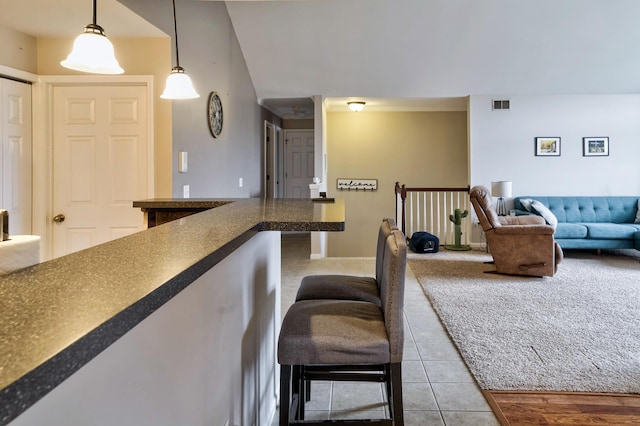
[(520, 245)]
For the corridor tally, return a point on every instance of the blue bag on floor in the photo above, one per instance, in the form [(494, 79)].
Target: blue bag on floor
[(424, 242)]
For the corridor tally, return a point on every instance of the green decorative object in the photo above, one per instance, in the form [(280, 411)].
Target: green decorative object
[(456, 218)]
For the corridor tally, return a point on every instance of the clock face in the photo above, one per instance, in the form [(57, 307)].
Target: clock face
[(215, 114)]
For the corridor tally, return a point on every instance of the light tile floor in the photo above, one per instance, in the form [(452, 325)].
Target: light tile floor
[(437, 387)]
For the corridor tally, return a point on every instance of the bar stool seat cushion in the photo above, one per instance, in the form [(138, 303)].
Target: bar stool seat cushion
[(349, 287), (342, 287), (329, 332)]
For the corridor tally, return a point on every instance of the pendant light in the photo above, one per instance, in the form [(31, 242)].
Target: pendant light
[(92, 51), (179, 85)]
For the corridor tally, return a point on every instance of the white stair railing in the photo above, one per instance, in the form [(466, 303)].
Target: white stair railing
[(428, 209)]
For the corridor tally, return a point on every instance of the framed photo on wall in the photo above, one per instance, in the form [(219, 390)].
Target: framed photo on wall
[(595, 146), (547, 146)]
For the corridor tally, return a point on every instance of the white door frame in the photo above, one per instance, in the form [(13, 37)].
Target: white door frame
[(43, 144)]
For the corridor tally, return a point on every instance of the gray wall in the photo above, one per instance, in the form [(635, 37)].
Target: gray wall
[(211, 55), (502, 144)]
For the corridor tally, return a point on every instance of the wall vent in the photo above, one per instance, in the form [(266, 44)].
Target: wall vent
[(500, 104)]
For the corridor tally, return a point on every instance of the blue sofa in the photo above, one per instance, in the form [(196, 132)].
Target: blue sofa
[(592, 222)]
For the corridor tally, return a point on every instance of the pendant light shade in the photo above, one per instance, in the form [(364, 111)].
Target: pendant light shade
[(92, 51), (179, 85)]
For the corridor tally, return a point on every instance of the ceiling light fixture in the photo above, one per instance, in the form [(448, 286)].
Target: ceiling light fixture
[(179, 85), (356, 106), (92, 51)]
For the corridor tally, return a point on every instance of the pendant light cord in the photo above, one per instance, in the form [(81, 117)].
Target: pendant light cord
[(175, 30), (95, 12)]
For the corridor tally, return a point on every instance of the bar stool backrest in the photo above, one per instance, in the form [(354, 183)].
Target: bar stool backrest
[(388, 224), (392, 291)]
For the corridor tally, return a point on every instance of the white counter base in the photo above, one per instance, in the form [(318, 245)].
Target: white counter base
[(206, 357)]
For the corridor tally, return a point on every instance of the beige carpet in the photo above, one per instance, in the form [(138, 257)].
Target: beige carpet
[(578, 331)]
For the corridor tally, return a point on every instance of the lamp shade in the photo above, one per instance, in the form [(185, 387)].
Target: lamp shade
[(92, 52), (501, 189), (179, 86), (356, 106)]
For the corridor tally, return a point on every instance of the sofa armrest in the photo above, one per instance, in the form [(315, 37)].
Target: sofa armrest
[(521, 220), (524, 230)]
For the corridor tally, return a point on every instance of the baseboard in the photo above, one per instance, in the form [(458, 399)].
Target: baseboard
[(478, 246)]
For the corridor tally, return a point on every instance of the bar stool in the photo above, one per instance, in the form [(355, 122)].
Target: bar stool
[(349, 287), (344, 340)]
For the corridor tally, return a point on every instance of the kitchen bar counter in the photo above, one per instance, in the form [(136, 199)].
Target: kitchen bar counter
[(162, 210), (57, 316)]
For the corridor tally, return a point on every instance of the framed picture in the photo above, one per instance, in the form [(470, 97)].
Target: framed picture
[(595, 147), (547, 146)]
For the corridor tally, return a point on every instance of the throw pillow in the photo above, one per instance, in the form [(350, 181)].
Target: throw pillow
[(638, 213), (526, 203), (542, 210)]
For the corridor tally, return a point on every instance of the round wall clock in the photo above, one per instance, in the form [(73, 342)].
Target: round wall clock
[(215, 114)]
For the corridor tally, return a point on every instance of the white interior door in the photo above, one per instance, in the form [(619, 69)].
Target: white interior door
[(15, 154), (99, 164), (299, 162)]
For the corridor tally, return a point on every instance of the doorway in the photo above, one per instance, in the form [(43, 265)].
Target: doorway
[(98, 155), (274, 160), (299, 155), (15, 154)]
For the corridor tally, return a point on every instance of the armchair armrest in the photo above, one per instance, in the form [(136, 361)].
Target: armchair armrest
[(524, 230), (522, 220)]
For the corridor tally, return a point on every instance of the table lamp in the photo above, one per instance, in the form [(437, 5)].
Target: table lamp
[(501, 189)]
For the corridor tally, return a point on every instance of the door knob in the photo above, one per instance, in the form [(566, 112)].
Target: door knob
[(59, 218)]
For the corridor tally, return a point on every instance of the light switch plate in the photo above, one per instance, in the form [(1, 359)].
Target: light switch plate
[(185, 191), (183, 162)]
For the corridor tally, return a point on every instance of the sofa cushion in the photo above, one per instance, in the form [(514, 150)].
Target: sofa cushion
[(638, 213), (526, 203), (608, 231), (597, 209), (542, 210), (570, 231)]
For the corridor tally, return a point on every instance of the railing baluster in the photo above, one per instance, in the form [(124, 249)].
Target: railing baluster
[(428, 209)]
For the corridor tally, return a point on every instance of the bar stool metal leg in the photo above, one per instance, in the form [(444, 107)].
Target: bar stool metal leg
[(285, 394)]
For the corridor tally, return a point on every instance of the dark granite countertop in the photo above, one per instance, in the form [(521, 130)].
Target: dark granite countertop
[(182, 203), (58, 315)]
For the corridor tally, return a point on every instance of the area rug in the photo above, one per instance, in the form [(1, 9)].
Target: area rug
[(578, 331)]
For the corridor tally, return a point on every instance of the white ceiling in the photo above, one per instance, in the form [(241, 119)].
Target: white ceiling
[(439, 48), (67, 18), (398, 54)]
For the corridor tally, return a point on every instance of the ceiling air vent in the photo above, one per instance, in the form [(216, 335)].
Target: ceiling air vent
[(500, 104)]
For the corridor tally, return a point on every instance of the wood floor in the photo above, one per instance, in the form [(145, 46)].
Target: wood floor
[(557, 408)]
